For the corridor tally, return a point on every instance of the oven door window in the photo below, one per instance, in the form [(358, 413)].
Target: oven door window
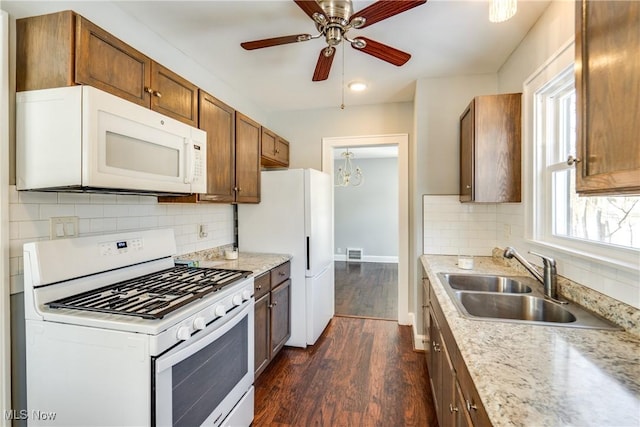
[(199, 382)]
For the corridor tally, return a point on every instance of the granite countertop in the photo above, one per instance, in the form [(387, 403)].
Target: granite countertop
[(543, 375), (256, 262)]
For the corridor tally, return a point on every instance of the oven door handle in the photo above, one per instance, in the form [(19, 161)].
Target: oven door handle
[(189, 348)]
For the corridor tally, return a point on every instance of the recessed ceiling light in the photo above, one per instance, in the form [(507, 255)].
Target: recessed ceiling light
[(357, 86)]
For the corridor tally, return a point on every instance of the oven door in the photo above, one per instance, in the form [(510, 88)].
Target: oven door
[(203, 379)]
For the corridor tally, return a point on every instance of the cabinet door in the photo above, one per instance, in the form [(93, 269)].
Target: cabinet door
[(466, 153), (218, 120), (462, 418), (435, 365), (173, 96), (268, 146), (105, 62), (282, 152), (448, 395), (280, 316), (261, 334), (608, 106), (247, 160)]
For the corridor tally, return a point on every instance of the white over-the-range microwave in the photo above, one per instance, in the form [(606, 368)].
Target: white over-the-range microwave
[(80, 138)]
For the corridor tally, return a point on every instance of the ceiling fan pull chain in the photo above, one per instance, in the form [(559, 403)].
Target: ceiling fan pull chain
[(342, 105)]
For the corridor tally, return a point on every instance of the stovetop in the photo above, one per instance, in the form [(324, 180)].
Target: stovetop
[(154, 295)]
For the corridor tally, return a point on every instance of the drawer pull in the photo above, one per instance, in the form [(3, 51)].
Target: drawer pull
[(259, 287), (471, 406), (280, 273), (452, 408)]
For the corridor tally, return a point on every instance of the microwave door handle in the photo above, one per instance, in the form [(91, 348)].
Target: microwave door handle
[(189, 162)]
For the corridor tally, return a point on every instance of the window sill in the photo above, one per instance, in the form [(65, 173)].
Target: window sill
[(622, 264)]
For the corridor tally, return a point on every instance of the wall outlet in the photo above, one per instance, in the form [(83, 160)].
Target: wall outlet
[(62, 227), (203, 231), (506, 231)]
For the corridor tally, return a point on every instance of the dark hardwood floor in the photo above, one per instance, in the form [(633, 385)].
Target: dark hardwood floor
[(361, 372), (366, 289)]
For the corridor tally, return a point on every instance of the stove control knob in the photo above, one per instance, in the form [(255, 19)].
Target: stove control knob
[(183, 333), (219, 310), (246, 294), (199, 323), (236, 300)]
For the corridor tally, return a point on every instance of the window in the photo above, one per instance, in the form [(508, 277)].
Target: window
[(603, 226)]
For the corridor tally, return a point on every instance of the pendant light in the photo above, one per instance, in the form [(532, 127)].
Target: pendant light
[(348, 175)]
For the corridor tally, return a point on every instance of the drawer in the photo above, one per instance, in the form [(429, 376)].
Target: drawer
[(280, 273), (261, 285)]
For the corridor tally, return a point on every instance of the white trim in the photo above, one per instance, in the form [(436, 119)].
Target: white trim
[(368, 258), (402, 141), (5, 332)]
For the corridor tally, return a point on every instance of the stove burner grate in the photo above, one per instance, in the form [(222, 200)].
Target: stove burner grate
[(154, 295)]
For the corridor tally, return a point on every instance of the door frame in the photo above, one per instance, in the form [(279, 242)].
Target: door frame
[(5, 334), (402, 141)]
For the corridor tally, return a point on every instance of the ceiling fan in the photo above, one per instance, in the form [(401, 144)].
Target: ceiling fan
[(333, 19)]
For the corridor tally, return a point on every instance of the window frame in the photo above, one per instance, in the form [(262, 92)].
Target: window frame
[(538, 175)]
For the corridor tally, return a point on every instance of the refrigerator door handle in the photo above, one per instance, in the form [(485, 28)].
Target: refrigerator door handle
[(308, 252)]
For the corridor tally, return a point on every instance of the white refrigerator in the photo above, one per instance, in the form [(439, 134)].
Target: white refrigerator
[(295, 216)]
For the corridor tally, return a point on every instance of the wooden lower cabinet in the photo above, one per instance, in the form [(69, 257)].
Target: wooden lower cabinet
[(455, 398), (272, 315)]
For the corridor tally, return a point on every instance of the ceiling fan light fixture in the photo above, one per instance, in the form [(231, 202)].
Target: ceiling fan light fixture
[(358, 22), (358, 43), (501, 10), (357, 86)]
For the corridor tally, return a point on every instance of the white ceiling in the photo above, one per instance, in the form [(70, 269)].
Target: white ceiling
[(445, 37)]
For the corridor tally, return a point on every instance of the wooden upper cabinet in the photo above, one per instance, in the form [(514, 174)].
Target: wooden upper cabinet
[(173, 95), (105, 62), (218, 120), (65, 49), (490, 146), (248, 134), (274, 150), (608, 105)]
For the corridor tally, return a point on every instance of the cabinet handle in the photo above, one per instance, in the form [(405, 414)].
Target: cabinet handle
[(435, 345), (148, 90), (468, 187), (471, 406), (573, 160), (158, 94), (258, 287), (237, 189), (280, 273), (277, 151), (452, 408)]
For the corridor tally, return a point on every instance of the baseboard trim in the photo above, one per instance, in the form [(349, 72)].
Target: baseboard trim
[(368, 258)]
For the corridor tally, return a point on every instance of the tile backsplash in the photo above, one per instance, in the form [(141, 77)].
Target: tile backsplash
[(29, 214), (452, 228)]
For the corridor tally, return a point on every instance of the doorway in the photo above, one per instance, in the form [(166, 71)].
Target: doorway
[(400, 143)]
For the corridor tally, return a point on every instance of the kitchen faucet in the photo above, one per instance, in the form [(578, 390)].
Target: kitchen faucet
[(550, 278)]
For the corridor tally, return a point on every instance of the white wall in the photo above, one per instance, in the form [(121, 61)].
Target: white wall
[(366, 216), (306, 128)]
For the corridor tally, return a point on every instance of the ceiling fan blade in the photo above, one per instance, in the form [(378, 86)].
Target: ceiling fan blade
[(275, 41), (323, 66), (309, 7), (383, 9), (382, 51)]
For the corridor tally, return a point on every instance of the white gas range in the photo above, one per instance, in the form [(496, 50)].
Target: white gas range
[(118, 335)]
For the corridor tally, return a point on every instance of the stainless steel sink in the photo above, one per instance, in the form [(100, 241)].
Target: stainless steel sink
[(517, 299), (482, 283), (515, 307)]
